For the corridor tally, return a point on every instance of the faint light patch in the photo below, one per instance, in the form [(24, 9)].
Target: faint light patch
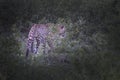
[(81, 20), (100, 38)]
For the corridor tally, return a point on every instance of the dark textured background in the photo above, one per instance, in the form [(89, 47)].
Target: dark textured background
[(94, 56)]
